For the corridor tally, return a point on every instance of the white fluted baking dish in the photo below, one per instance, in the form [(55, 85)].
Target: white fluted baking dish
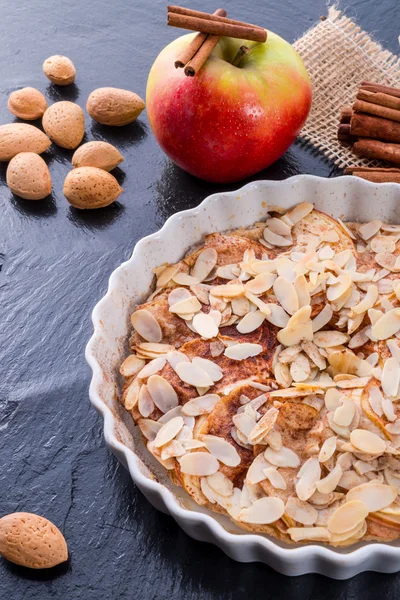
[(345, 197)]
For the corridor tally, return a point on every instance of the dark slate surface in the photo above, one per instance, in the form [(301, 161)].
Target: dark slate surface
[(55, 263)]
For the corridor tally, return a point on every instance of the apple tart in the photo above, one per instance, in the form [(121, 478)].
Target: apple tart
[(265, 376)]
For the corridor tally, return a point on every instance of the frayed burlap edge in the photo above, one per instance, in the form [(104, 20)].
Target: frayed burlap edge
[(338, 55)]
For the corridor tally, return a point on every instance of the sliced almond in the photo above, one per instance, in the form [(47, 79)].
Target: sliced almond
[(172, 450), (344, 414), (300, 368), (168, 431), (329, 483), (275, 239), (201, 292), (368, 230), (152, 367), (278, 226), (201, 405), (205, 325), (375, 496), (367, 442), (200, 464), (383, 243), (193, 375), (285, 457), (322, 318), (301, 511), (309, 475), (390, 377), (387, 325), (276, 315), (186, 307), (162, 393), (220, 484), (286, 295), (368, 301), (314, 354), (166, 275), (264, 426), (387, 261), (146, 325), (303, 293), (338, 289), (309, 534), (298, 212), (177, 295), (229, 290), (242, 351), (327, 449), (130, 396), (327, 339), (263, 511), (185, 279), (261, 283), (145, 403), (149, 428), (131, 365), (347, 516), (275, 478), (205, 263), (240, 306), (222, 450), (250, 322)]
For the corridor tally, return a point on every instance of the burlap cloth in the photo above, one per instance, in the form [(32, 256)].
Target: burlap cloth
[(338, 56)]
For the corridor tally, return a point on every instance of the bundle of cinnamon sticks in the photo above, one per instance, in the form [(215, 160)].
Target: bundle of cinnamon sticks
[(372, 126), (210, 27)]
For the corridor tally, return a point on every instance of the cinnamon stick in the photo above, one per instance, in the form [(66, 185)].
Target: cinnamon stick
[(345, 114), (188, 12), (376, 87), (362, 125), (375, 149), (375, 175), (241, 31), (376, 109), (188, 53), (198, 60), (344, 134), (379, 98)]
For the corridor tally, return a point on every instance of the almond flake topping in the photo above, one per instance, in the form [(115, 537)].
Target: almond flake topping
[(275, 239), (177, 295), (261, 283), (205, 325), (201, 405), (391, 377), (187, 306), (264, 426), (328, 484), (347, 516), (228, 290), (309, 534), (250, 322), (327, 449), (368, 230), (374, 495), (145, 403), (168, 431), (301, 511), (367, 442), (387, 325), (285, 457), (146, 325), (263, 511), (222, 450), (206, 261), (286, 295), (199, 464), (193, 375), (242, 351), (220, 484), (162, 393), (275, 478), (309, 475)]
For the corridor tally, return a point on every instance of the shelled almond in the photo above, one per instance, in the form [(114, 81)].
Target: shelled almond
[(97, 154), (90, 187), (20, 137), (27, 104), (28, 176), (59, 69), (64, 123), (113, 106)]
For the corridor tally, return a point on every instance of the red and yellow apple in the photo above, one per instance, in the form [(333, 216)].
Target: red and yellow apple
[(228, 122)]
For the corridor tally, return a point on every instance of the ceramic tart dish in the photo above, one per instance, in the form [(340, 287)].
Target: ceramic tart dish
[(264, 376)]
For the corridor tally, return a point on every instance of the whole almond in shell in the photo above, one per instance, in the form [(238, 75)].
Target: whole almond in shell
[(59, 69), (97, 154), (27, 103), (90, 187), (31, 541), (28, 176), (64, 123), (113, 106), (20, 137)]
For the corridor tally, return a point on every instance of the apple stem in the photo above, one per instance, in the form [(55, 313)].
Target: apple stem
[(239, 54)]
